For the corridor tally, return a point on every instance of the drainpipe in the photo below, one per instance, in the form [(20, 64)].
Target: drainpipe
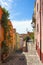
[(40, 29)]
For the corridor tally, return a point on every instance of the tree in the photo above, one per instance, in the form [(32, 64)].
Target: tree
[(32, 36), (27, 38), (33, 21)]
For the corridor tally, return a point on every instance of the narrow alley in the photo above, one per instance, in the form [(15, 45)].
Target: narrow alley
[(24, 58), (21, 32)]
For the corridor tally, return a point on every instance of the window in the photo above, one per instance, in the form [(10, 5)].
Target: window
[(37, 7)]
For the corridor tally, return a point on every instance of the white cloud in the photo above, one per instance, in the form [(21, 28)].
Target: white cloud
[(8, 4), (1, 2), (22, 26), (10, 0), (5, 3)]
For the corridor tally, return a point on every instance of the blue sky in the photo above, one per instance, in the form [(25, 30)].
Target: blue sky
[(23, 9), (20, 11)]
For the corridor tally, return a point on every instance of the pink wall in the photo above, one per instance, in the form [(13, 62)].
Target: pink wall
[(38, 23), (38, 32)]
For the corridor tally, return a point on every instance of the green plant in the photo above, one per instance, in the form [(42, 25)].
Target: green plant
[(4, 47), (32, 36), (26, 38), (4, 23), (4, 20)]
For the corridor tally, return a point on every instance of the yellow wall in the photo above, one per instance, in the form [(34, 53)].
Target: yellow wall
[(10, 32), (14, 38), (1, 12), (1, 34), (1, 28), (18, 40), (11, 42)]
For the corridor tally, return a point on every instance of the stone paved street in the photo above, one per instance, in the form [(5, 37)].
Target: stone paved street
[(32, 56), (25, 58)]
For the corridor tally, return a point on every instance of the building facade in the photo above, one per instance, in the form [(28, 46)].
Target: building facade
[(10, 37), (1, 31), (7, 40), (1, 28), (14, 39), (17, 41), (39, 28)]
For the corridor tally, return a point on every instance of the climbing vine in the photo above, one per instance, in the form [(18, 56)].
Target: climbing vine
[(5, 25)]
